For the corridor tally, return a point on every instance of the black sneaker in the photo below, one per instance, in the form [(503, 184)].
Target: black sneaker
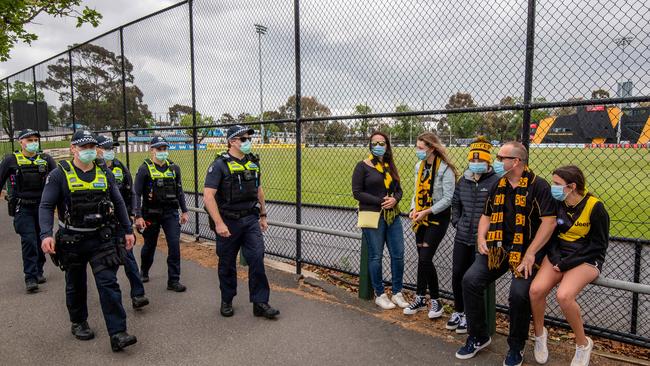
[(176, 287), (41, 279), (472, 346), (514, 357), (82, 331), (454, 321), (226, 309), (265, 310), (420, 303), (436, 309), (462, 327), (139, 302), (144, 277), (121, 340), (31, 286)]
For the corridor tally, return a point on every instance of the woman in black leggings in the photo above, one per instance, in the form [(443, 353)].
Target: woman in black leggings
[(435, 178)]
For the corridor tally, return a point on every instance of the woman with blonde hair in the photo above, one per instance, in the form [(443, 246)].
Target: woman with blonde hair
[(435, 181)]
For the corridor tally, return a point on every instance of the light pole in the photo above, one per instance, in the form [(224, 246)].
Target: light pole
[(624, 88), (260, 30)]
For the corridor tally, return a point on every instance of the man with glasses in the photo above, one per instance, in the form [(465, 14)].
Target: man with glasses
[(518, 220), (234, 198), (158, 196)]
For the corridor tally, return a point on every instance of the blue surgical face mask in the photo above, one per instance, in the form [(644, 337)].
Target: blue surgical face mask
[(162, 155), (499, 168), (478, 168), (246, 147), (109, 155), (88, 155), (32, 147), (421, 154), (378, 150), (557, 191)]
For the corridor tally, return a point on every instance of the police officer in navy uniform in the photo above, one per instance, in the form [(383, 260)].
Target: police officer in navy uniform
[(234, 199), (158, 196), (86, 198), (106, 158), (25, 171)]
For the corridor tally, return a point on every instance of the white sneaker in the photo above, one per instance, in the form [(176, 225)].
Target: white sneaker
[(398, 299), (436, 309), (383, 302), (583, 353), (541, 349)]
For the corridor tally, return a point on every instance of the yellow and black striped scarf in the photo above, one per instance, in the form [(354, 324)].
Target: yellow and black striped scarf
[(424, 192), (391, 213), (497, 253)]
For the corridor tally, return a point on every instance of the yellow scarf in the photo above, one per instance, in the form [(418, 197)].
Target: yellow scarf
[(392, 213), (424, 193)]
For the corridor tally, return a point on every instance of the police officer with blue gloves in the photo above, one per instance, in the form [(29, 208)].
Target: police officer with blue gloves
[(234, 199), (87, 198), (106, 159), (25, 171), (158, 196)]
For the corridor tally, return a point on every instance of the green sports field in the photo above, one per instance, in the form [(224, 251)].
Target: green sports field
[(619, 176)]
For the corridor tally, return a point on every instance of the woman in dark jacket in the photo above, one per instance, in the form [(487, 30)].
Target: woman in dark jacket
[(575, 258), (376, 185), (466, 209)]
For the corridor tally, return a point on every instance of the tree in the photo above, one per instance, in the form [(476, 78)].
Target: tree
[(201, 133), (406, 128), (507, 125), (98, 89), (23, 91), (599, 94), (364, 125), (336, 131), (17, 14), (178, 110), (463, 125), (309, 107)]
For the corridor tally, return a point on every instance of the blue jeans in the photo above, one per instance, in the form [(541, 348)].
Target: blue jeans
[(26, 225), (172, 228), (393, 236)]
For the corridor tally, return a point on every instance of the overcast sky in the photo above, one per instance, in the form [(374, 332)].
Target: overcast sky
[(382, 53)]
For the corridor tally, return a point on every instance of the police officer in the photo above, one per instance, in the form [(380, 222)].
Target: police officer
[(86, 198), (158, 196), (106, 158), (26, 170), (234, 199)]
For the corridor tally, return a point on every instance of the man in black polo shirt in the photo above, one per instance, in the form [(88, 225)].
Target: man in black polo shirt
[(519, 219), (234, 198)]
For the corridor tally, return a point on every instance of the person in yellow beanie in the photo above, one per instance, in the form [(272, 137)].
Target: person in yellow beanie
[(467, 206)]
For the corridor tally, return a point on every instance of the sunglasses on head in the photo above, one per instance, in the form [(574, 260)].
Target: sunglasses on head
[(378, 143)]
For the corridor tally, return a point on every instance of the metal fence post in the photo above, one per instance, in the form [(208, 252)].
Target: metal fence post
[(298, 136), (637, 279), (528, 74), (195, 138), (365, 286), (38, 129), (124, 106), (11, 123)]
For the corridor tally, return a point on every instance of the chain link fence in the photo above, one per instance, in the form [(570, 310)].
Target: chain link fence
[(315, 79)]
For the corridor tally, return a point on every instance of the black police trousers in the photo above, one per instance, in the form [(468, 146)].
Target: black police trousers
[(110, 296), (245, 234), (26, 225)]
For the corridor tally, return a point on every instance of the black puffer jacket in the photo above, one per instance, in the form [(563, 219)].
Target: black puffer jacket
[(468, 204)]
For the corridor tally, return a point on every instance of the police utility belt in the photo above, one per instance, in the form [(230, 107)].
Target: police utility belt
[(238, 214)]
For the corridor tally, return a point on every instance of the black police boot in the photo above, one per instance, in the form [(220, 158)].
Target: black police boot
[(226, 309), (31, 286), (82, 331), (122, 340), (144, 277), (265, 310), (139, 302), (41, 279), (176, 287)]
